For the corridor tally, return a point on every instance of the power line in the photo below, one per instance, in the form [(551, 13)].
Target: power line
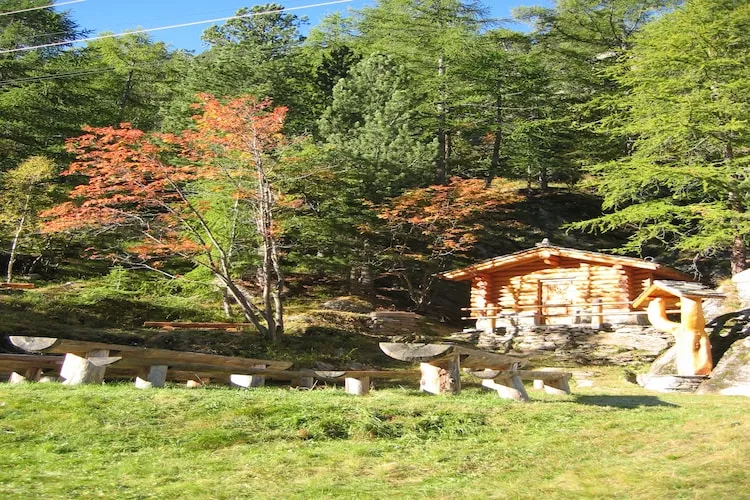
[(55, 76), (183, 25), (42, 7)]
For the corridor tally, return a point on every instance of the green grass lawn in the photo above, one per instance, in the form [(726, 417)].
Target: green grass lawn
[(610, 440)]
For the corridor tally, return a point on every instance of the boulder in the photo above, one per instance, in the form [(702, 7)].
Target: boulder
[(742, 283), (731, 376)]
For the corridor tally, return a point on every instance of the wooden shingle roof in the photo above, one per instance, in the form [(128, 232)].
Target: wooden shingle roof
[(675, 289), (545, 252)]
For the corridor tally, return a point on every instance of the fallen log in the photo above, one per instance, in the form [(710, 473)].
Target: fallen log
[(187, 325), (17, 286)]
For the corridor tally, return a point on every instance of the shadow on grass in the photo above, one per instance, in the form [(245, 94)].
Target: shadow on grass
[(628, 402)]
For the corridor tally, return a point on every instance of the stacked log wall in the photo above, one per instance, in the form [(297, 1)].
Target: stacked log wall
[(517, 289)]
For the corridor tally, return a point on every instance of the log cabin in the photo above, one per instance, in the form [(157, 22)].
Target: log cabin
[(551, 285)]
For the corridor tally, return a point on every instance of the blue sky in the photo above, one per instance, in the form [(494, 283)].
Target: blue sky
[(121, 15)]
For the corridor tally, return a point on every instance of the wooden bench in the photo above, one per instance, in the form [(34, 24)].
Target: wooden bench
[(441, 364), (188, 325), (29, 367), (87, 362), (509, 383)]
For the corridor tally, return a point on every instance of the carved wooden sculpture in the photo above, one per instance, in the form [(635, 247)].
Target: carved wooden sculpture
[(692, 346), (691, 342)]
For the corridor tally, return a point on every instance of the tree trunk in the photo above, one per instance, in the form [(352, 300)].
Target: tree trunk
[(270, 262), (16, 237), (441, 164), (543, 178), (124, 98), (495, 161), (738, 258)]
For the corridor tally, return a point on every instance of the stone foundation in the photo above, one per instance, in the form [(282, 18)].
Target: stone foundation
[(619, 345)]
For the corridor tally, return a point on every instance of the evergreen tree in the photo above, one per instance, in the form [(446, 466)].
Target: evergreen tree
[(139, 80), (685, 117), (36, 111), (428, 38), (258, 55)]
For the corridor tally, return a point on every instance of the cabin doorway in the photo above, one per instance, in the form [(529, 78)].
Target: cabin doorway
[(557, 301)]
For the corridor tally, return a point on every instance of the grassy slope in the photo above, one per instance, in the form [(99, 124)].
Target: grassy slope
[(610, 440)]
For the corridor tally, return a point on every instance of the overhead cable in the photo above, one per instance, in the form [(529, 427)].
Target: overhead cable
[(39, 8), (54, 76), (173, 26)]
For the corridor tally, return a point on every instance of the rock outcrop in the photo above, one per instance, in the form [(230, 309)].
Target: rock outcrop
[(731, 376), (622, 345)]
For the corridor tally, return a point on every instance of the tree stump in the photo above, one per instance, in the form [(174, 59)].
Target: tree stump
[(89, 370), (357, 386), (30, 375), (248, 381), (441, 377)]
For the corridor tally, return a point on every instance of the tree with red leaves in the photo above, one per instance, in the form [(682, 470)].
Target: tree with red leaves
[(189, 196), (429, 227)]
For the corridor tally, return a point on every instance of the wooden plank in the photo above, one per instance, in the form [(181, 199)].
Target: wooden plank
[(196, 325), (432, 353), (141, 355), (17, 286), (415, 352), (524, 374), (29, 360)]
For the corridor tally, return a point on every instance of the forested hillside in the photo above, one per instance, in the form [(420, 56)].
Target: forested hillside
[(372, 150)]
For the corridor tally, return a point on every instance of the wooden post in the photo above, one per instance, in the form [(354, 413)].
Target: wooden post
[(304, 382), (557, 386), (357, 386), (441, 377), (597, 318), (248, 381), (89, 370), (30, 375), (155, 377), (539, 319)]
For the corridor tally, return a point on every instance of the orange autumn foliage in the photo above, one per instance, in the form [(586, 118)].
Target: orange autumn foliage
[(138, 179)]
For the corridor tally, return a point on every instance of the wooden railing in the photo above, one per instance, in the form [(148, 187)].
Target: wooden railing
[(596, 310)]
